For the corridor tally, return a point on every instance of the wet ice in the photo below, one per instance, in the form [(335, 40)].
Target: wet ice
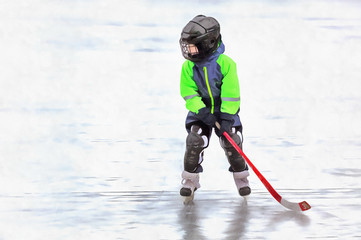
[(92, 123)]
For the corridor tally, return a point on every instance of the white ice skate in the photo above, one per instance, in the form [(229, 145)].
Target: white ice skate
[(240, 178), (190, 184)]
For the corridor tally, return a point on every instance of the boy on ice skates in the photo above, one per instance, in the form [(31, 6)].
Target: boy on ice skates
[(209, 85)]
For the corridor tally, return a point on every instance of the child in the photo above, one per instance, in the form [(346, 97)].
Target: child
[(209, 85)]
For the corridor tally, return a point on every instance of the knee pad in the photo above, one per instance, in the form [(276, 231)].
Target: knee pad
[(195, 144), (234, 158)]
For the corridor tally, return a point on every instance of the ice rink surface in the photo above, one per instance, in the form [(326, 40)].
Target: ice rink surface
[(92, 123)]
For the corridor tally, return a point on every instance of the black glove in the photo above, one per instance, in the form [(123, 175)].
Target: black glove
[(205, 115), (226, 124)]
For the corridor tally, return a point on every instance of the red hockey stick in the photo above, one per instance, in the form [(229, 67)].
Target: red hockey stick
[(301, 206)]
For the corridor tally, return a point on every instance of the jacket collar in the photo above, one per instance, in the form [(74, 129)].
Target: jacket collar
[(220, 50)]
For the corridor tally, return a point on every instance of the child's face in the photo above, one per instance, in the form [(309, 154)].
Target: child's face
[(192, 49)]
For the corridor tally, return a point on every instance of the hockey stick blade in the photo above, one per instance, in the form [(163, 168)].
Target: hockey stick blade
[(301, 206)]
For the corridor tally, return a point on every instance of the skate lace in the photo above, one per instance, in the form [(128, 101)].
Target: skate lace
[(189, 183), (185, 181)]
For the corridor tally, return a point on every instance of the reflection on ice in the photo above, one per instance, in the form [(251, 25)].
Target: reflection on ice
[(346, 172), (212, 215)]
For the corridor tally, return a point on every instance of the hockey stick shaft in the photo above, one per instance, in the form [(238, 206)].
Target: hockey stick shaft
[(302, 206)]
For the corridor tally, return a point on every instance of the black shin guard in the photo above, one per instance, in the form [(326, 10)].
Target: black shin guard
[(195, 144), (234, 158)]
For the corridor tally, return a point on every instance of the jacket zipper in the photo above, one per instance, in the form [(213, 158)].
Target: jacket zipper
[(209, 88)]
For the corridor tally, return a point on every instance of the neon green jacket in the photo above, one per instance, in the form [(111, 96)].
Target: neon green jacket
[(211, 83)]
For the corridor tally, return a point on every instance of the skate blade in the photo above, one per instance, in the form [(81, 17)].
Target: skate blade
[(189, 199)]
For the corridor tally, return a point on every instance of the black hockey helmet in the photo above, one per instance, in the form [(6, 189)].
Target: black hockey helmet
[(200, 38)]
